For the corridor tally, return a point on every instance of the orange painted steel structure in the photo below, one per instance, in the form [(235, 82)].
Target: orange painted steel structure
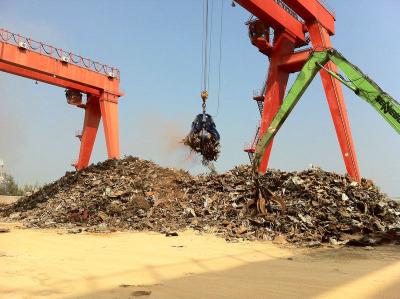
[(295, 24), (28, 58)]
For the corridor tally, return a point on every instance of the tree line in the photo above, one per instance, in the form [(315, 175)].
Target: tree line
[(8, 186)]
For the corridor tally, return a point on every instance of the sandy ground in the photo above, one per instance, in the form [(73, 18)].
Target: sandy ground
[(54, 264), (8, 199)]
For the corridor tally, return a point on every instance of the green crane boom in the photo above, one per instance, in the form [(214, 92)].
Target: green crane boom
[(356, 80)]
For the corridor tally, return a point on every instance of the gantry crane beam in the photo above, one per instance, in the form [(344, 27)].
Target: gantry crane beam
[(311, 10), (27, 58), (294, 62), (46, 78), (29, 64)]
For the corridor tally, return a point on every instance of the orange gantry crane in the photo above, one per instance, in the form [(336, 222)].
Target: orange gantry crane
[(287, 32), (28, 58)]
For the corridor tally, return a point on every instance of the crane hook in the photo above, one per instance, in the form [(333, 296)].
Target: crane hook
[(204, 97)]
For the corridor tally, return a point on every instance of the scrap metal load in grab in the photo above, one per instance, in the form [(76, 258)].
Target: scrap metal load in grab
[(204, 138)]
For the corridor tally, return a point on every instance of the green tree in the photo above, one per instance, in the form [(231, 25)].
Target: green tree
[(8, 186), (28, 189)]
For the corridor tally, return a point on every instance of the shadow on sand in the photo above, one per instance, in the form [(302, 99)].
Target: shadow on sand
[(320, 273)]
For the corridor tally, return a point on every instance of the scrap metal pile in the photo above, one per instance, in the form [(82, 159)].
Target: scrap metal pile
[(135, 194)]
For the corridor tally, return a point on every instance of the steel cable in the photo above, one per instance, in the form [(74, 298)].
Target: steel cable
[(58, 54), (205, 46), (13, 36), (95, 67), (220, 57), (44, 49), (72, 58), (84, 63), (210, 45), (31, 46)]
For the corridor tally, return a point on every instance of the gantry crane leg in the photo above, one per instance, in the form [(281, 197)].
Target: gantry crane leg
[(334, 94), (105, 107), (109, 113), (276, 83), (89, 132)]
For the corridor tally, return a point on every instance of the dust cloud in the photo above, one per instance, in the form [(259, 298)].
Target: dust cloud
[(161, 140), (13, 130)]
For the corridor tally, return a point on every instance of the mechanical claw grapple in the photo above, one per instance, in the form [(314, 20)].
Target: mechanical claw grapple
[(263, 196), (204, 138)]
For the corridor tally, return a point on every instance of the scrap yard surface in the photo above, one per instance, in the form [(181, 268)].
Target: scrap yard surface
[(48, 263), (159, 195), (152, 231)]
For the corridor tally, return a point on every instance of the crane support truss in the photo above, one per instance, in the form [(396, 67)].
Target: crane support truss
[(356, 80), (35, 60), (297, 23)]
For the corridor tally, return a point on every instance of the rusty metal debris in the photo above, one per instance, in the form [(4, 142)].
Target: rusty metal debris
[(204, 138), (4, 230), (208, 148), (134, 194), (141, 293), (262, 196)]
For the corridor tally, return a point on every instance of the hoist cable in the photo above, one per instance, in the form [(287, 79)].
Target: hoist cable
[(220, 56), (202, 48), (210, 45), (205, 45)]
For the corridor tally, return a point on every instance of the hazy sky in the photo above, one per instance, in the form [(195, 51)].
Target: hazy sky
[(157, 46)]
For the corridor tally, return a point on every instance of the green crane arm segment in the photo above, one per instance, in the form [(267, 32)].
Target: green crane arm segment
[(363, 86)]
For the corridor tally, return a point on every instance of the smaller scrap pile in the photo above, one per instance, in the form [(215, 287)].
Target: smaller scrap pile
[(134, 194), (115, 194)]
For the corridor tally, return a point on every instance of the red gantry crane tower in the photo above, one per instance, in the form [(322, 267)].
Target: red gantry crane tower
[(28, 58), (283, 30)]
